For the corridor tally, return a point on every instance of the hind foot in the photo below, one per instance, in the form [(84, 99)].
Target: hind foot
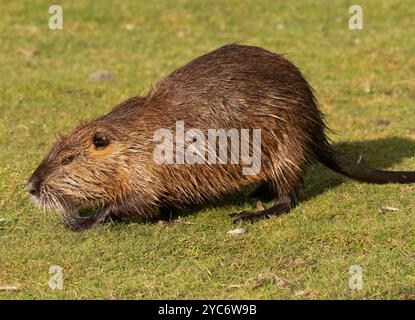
[(283, 206)]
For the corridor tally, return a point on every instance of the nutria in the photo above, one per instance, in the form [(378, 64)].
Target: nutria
[(108, 164)]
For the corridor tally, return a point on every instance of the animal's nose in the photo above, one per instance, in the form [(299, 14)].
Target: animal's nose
[(33, 186)]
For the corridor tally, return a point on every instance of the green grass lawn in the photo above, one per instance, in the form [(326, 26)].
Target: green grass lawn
[(364, 80)]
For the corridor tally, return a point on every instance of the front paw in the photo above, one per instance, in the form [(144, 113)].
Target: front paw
[(78, 225)]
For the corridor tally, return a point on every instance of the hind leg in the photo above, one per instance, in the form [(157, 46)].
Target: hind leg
[(264, 192), (282, 206)]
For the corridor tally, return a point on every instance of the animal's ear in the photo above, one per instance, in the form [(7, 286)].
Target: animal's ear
[(100, 140)]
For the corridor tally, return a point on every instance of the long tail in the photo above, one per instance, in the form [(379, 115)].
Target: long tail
[(341, 164)]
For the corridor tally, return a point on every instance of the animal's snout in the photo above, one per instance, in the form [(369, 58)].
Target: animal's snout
[(33, 186)]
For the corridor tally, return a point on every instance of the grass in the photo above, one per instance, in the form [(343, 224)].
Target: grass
[(364, 80)]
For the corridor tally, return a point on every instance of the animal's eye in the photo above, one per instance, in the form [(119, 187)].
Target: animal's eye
[(100, 140), (68, 160)]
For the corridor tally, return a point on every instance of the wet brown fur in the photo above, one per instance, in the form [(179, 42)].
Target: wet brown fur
[(234, 86)]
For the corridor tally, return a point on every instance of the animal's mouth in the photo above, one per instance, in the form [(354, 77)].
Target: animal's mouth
[(48, 203), (51, 202)]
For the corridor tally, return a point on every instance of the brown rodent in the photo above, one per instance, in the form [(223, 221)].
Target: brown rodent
[(108, 164)]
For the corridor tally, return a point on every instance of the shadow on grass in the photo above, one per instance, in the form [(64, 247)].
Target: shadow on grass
[(379, 153)]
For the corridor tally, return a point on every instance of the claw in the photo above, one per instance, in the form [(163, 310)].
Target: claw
[(246, 216), (235, 214), (78, 225), (88, 223)]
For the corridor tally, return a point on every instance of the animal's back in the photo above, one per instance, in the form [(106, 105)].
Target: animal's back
[(239, 87)]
